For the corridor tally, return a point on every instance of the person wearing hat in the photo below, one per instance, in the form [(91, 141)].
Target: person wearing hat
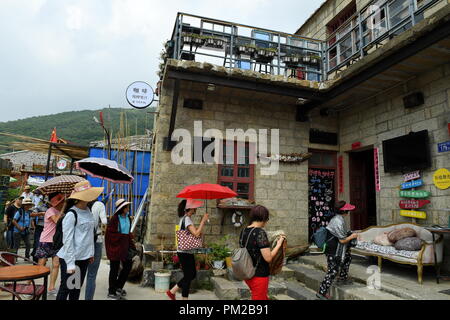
[(119, 246), (38, 221), (9, 217), (27, 193), (45, 248), (22, 223), (78, 239), (337, 250), (187, 208)]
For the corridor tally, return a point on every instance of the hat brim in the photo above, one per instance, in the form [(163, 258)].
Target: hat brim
[(57, 203), (348, 207), (87, 195), (194, 204), (121, 206)]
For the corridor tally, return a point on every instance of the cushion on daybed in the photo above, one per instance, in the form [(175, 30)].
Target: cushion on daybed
[(382, 239), (386, 250), (402, 233), (409, 244)]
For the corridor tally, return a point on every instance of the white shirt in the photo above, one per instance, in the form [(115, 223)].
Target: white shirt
[(99, 213), (78, 241)]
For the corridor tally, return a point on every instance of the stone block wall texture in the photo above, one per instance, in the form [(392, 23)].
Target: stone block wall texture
[(284, 194), (384, 117), (315, 26)]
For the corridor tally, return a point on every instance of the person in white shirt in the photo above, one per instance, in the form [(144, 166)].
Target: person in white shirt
[(99, 213), (27, 194)]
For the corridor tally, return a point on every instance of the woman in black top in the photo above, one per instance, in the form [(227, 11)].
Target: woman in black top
[(259, 248)]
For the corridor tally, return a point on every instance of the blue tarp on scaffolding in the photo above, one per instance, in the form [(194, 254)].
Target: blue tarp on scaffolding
[(138, 163)]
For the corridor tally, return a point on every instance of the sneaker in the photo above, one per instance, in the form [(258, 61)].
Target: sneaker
[(121, 292), (323, 297), (171, 295), (53, 292), (114, 296)]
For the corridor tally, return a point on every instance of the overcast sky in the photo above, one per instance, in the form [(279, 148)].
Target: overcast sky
[(65, 55)]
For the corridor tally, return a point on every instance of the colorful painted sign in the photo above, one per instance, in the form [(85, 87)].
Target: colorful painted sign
[(413, 204), (415, 194), (356, 145), (341, 174), (413, 214), (411, 176), (412, 184), (444, 147), (441, 179), (376, 169)]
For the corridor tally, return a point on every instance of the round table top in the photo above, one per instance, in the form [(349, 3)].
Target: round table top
[(23, 272)]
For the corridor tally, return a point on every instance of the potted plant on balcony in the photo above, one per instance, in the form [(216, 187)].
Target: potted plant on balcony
[(306, 59), (315, 59), (193, 39), (265, 55), (214, 42)]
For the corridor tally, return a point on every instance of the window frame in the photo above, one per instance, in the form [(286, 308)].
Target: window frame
[(235, 179)]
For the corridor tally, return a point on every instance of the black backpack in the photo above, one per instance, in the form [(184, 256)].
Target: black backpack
[(58, 236)]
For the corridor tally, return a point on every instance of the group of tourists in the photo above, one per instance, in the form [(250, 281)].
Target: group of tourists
[(254, 238), (70, 232)]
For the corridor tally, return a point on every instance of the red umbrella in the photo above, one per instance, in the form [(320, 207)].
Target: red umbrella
[(206, 191)]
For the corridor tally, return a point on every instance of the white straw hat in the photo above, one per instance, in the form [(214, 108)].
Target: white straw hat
[(85, 192), (120, 204)]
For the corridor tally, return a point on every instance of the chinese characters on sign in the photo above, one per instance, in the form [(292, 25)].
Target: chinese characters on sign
[(377, 172), (415, 194), (140, 95), (411, 176), (341, 174), (412, 184), (444, 147), (441, 179), (413, 214), (413, 204)]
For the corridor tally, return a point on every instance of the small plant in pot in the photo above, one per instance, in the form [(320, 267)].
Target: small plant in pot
[(315, 59), (218, 255), (306, 59)]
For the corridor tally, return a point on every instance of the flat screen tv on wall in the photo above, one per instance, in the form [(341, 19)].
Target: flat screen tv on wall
[(407, 153)]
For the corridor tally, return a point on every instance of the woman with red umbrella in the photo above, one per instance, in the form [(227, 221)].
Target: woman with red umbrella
[(186, 209)]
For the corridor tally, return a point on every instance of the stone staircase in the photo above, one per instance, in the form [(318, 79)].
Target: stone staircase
[(298, 282)]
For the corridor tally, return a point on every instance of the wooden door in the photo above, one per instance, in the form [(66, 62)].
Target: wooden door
[(358, 191)]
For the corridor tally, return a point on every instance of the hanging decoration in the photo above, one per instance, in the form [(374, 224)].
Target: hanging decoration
[(288, 157)]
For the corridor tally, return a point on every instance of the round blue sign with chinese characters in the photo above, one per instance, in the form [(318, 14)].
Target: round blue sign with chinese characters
[(140, 95)]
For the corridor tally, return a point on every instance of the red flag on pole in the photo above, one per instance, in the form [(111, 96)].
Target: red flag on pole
[(53, 137)]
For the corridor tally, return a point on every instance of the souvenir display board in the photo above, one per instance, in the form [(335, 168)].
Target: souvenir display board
[(321, 197)]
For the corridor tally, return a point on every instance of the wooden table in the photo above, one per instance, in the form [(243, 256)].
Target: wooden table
[(24, 273), (441, 232)]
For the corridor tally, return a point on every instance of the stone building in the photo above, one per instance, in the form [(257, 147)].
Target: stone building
[(339, 110)]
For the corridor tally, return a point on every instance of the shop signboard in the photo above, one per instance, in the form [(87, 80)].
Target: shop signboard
[(413, 214), (441, 179), (411, 176), (415, 194), (376, 170), (444, 147), (412, 184), (413, 204), (140, 95), (341, 174)]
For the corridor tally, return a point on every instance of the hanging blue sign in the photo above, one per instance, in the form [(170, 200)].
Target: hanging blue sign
[(444, 147), (412, 184)]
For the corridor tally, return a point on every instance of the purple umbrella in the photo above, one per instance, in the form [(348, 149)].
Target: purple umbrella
[(105, 169)]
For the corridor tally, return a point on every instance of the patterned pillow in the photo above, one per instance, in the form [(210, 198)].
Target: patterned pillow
[(409, 244), (402, 233), (382, 239)]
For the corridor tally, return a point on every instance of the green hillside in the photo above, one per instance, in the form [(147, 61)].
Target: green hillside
[(78, 126)]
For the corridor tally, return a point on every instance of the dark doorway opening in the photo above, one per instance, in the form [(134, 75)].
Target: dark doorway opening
[(362, 189)]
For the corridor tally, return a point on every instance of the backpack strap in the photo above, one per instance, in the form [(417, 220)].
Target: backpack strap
[(75, 214)]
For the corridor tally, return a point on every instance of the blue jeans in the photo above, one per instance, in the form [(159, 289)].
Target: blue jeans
[(10, 239), (92, 272)]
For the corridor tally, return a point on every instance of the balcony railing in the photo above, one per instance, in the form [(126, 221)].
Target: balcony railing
[(235, 45), (379, 21)]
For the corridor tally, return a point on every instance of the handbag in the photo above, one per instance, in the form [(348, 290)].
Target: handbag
[(186, 240)]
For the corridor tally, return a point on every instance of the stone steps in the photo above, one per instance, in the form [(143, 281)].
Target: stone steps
[(226, 289), (311, 278)]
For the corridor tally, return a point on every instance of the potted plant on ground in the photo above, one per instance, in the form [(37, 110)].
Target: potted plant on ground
[(219, 252)]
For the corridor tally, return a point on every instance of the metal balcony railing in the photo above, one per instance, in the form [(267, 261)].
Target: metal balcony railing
[(235, 45), (378, 22)]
